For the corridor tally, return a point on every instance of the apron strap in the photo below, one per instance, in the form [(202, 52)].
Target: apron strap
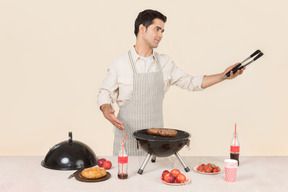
[(132, 62), (157, 61)]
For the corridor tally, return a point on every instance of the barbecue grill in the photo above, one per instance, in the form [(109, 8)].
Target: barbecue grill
[(160, 146)]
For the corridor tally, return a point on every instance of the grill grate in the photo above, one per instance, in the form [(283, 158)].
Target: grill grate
[(143, 135)]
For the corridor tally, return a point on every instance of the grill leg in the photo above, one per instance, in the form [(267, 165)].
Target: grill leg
[(140, 171), (153, 160), (186, 168)]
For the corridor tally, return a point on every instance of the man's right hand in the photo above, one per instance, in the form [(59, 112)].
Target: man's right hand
[(108, 113)]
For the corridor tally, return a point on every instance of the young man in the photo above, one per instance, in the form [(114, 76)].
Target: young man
[(138, 80)]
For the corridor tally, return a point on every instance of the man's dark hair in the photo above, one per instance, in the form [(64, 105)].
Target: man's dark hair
[(146, 18)]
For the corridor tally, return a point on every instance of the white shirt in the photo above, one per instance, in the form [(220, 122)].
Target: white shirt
[(118, 83)]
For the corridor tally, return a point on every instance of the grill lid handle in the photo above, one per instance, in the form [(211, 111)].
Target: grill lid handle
[(70, 137)]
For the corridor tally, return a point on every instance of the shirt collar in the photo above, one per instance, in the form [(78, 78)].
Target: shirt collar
[(135, 56)]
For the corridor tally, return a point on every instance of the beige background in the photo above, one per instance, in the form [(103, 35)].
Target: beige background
[(54, 55)]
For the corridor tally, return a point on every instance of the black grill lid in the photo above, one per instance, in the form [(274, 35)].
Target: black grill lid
[(69, 155)]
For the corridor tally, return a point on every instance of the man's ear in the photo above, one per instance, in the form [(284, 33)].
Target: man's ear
[(142, 29)]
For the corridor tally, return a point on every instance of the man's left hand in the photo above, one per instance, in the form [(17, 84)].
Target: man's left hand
[(232, 76)]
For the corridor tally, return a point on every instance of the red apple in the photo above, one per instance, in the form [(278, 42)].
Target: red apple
[(107, 165), (165, 172), (180, 178), (100, 162), (169, 178), (175, 172)]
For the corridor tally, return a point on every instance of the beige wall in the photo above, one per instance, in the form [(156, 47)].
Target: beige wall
[(54, 55)]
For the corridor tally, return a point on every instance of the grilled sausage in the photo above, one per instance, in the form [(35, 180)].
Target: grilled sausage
[(162, 132)]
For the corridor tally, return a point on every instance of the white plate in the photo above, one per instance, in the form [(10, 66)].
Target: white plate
[(188, 180), (195, 169)]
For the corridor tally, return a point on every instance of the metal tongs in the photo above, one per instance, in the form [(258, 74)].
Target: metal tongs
[(257, 54)]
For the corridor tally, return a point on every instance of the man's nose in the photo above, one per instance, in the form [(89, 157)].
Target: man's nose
[(160, 34)]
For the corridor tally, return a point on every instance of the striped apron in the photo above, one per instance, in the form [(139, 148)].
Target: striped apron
[(144, 109)]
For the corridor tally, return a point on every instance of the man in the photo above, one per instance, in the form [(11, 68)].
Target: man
[(138, 80)]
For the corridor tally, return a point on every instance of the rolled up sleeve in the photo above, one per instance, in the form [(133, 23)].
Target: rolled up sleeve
[(108, 90), (186, 81)]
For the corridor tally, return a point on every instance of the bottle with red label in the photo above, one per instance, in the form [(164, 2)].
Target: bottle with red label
[(235, 147), (122, 163)]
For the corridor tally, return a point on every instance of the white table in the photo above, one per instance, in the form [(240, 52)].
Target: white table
[(25, 174)]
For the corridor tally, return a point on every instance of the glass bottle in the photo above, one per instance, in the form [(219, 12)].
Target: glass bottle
[(122, 163), (235, 148)]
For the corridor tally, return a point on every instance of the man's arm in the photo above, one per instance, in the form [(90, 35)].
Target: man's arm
[(108, 92), (210, 80)]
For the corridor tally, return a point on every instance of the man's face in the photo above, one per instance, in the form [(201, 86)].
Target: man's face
[(154, 33)]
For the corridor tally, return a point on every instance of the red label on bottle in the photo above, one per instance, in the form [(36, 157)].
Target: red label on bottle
[(123, 159), (235, 149)]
